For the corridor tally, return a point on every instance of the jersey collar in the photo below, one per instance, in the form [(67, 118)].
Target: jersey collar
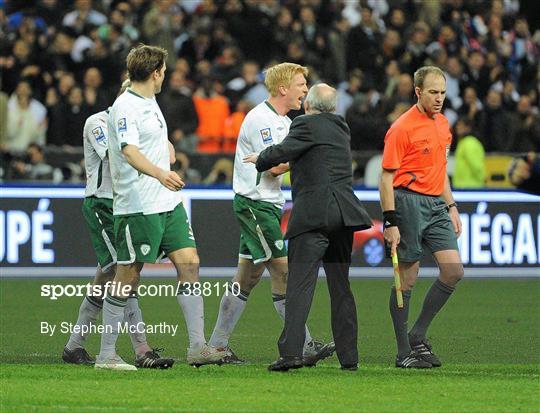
[(271, 107), (136, 94)]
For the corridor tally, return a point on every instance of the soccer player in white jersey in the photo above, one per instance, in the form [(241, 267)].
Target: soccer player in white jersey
[(258, 202), (149, 218), (98, 213)]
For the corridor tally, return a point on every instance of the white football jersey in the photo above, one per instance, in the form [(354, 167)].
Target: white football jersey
[(262, 127), (96, 161), (136, 120)]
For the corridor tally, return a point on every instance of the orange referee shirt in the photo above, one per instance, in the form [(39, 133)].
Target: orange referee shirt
[(417, 146)]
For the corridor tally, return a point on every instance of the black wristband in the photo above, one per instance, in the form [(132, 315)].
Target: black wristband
[(390, 219), (452, 205)]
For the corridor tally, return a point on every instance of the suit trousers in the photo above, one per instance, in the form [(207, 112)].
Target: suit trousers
[(332, 245)]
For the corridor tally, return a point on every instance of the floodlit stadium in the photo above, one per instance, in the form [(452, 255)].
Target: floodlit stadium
[(93, 167)]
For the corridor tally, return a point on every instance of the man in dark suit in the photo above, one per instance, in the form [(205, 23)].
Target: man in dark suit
[(324, 216)]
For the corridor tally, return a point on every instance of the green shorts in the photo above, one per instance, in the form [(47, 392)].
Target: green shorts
[(423, 220), (144, 238), (260, 231), (98, 214)]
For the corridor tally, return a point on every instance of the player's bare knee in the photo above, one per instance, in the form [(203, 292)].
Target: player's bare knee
[(247, 281), (407, 285), (452, 274)]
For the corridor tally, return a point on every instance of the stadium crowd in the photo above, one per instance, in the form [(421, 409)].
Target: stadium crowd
[(61, 61)]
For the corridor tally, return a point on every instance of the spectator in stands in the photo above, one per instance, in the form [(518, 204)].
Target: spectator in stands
[(248, 86), (367, 125), (212, 109), (470, 168), (363, 43), (26, 119), (232, 126), (527, 121), (76, 114), (454, 79), (477, 74), (397, 20), (179, 112), (525, 172), (122, 18), (59, 55), (226, 65), (403, 93), (96, 97), (337, 44), (83, 15), (34, 166), (415, 49), (162, 24), (348, 91), (198, 48), (285, 31), (496, 125), (472, 107), (22, 64)]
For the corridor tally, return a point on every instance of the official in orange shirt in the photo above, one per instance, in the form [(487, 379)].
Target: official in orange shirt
[(419, 210)]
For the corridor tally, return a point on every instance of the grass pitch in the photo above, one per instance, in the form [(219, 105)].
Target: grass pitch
[(487, 337)]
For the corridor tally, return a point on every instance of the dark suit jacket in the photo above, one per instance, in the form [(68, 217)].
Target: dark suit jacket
[(318, 148)]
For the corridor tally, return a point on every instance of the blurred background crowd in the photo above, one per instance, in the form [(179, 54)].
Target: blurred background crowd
[(61, 61)]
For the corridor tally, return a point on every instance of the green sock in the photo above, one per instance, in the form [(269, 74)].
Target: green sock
[(399, 318), (436, 297)]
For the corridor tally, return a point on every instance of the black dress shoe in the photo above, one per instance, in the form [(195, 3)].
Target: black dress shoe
[(349, 367), (77, 356), (286, 363)]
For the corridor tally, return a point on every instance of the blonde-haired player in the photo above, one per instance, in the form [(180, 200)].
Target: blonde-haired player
[(257, 205)]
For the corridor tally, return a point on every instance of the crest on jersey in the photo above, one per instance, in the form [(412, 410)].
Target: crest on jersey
[(145, 249), (266, 135), (279, 244), (98, 133), (122, 125)]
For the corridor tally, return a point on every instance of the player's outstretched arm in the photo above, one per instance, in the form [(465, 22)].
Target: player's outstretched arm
[(136, 159)]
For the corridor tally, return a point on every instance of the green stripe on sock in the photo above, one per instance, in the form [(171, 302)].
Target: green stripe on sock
[(98, 302), (117, 301)]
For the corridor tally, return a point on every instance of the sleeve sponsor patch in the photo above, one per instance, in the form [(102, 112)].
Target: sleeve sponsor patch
[(98, 134), (266, 135), (122, 125)]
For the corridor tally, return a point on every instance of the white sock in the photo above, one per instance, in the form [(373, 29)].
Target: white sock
[(113, 316), (88, 314), (193, 308), (279, 304), (231, 308), (133, 316)]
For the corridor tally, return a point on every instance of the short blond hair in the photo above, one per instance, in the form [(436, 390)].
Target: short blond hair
[(282, 75)]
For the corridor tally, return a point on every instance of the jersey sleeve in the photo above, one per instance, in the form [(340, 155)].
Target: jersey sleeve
[(95, 133), (258, 135), (125, 123), (395, 148)]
